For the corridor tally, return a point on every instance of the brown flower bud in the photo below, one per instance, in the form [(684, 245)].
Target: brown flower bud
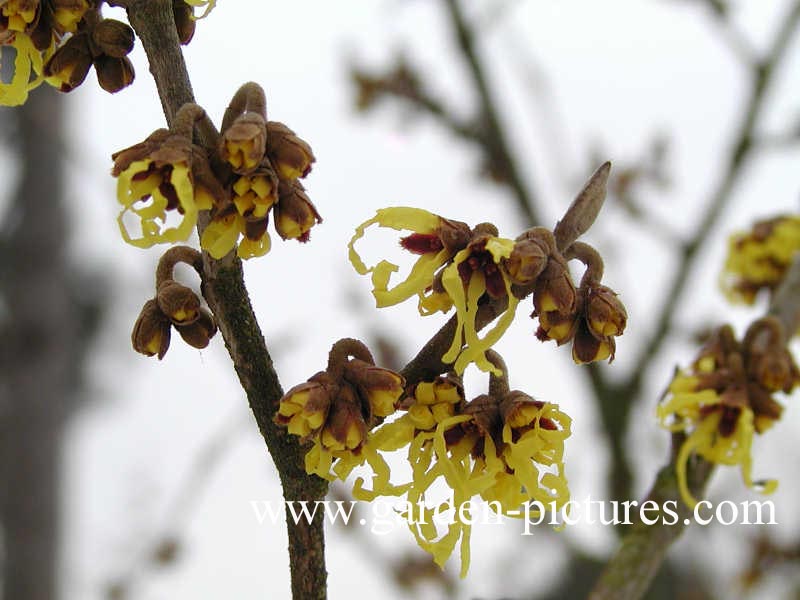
[(291, 156), (527, 261), (775, 370), (295, 215), (113, 74), (179, 303), (556, 326), (113, 38), (151, 331), (518, 409), (70, 64), (485, 414), (380, 387), (184, 21), (345, 428), (454, 235), (587, 348), (198, 333), (605, 314), (554, 290), (242, 144), (123, 158), (304, 408)]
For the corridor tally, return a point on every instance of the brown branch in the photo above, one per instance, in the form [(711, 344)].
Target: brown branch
[(736, 40), (495, 142), (739, 153), (403, 83), (628, 574), (427, 364), (227, 296)]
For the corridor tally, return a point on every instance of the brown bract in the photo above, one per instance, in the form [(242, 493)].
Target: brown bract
[(151, 332), (291, 156)]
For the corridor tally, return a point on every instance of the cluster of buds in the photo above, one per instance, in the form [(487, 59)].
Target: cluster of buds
[(58, 41), (35, 28), (174, 305), (100, 43), (165, 176), (758, 259), (252, 171), (503, 446), (727, 395), (590, 316), (484, 277), (335, 409), (263, 162)]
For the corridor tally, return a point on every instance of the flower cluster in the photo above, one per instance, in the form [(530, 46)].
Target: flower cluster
[(482, 276), (726, 396), (174, 305), (758, 259), (165, 181), (503, 446), (335, 409), (590, 317), (165, 175), (59, 41)]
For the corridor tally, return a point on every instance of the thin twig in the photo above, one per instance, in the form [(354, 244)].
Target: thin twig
[(402, 83), (164, 542), (228, 298), (736, 40), (496, 145)]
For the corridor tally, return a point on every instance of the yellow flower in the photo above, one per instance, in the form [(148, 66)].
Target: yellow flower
[(19, 15), (149, 191), (468, 263), (481, 278), (221, 234), (719, 432), (508, 454), (254, 195), (28, 63), (758, 259), (421, 276)]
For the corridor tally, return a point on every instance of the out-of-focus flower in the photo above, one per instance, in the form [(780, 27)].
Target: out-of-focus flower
[(726, 397), (758, 259)]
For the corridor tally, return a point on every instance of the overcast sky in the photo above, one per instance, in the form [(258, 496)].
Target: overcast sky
[(617, 73)]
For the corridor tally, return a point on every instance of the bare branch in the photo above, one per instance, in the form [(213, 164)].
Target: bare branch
[(497, 148), (227, 296)]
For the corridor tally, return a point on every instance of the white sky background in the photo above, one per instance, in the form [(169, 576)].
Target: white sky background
[(618, 71)]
